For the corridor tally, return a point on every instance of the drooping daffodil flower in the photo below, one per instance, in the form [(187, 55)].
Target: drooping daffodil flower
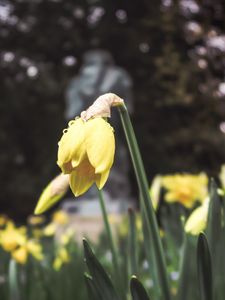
[(86, 153), (86, 150)]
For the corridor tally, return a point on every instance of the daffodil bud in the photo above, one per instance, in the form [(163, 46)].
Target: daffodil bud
[(55, 190), (155, 191), (198, 219)]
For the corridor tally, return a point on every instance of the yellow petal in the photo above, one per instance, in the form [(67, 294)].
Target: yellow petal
[(82, 178), (100, 144), (101, 179), (20, 255), (71, 146)]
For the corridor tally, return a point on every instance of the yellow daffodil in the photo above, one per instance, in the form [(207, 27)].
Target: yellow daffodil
[(11, 237), (185, 188), (50, 229), (35, 249), (222, 176), (60, 217), (67, 236), (54, 191), (86, 152), (36, 220), (198, 219), (62, 257), (20, 255), (29, 247)]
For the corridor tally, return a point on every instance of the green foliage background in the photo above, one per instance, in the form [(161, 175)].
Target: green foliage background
[(177, 110)]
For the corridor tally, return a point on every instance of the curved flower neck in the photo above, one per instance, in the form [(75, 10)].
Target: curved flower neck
[(102, 107)]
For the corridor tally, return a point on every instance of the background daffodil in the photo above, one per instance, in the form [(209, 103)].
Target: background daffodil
[(185, 188), (86, 152)]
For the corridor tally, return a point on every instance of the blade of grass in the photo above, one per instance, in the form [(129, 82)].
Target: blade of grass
[(204, 268), (92, 291), (187, 283), (138, 292), (150, 256), (100, 279)]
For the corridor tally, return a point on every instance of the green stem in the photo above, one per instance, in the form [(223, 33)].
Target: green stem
[(117, 274), (146, 201), (13, 281), (150, 255), (132, 243)]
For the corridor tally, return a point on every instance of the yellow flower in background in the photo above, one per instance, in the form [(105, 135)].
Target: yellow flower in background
[(62, 257), (29, 247), (155, 190), (185, 188), (86, 152), (50, 229), (198, 219), (20, 255), (35, 249), (67, 236), (60, 217), (11, 237), (54, 191), (36, 220), (222, 176)]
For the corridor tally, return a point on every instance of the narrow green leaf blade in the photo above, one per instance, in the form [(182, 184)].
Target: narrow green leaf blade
[(138, 291), (91, 288), (214, 217), (204, 268), (187, 284), (100, 278)]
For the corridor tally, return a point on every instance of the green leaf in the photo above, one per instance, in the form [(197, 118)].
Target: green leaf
[(204, 268), (216, 239), (187, 284), (214, 224), (138, 292), (150, 256), (13, 281), (91, 288), (146, 202), (100, 279)]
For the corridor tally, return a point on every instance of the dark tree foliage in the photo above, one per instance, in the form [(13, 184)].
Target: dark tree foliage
[(174, 51)]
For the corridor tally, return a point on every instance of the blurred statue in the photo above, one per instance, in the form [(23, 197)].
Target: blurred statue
[(99, 75)]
